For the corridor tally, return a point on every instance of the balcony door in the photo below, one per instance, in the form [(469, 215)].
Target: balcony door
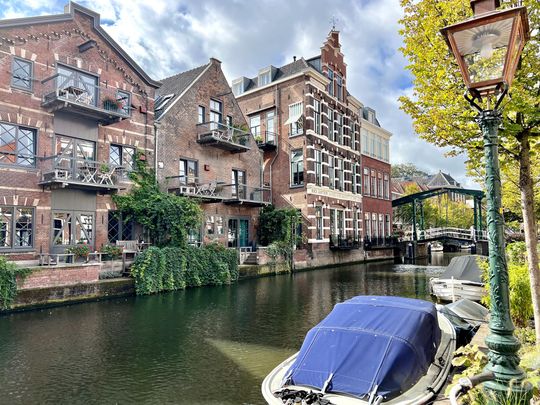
[(77, 86), (238, 233), (73, 153), (238, 186)]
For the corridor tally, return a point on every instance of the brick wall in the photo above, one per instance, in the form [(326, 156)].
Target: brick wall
[(60, 276)]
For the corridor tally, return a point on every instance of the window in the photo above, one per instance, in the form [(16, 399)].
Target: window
[(270, 128), (357, 224), (337, 222), (381, 226), (331, 135), (367, 226), (265, 78), (120, 155), (297, 168), (331, 172), (365, 141), (16, 227), (374, 227), (216, 112), (386, 187), (373, 184), (357, 179), (255, 125), (214, 226), (317, 116), (118, 228), (229, 121), (21, 74), (238, 180), (319, 222), (17, 145), (338, 177), (79, 87), (238, 87), (318, 167), (380, 193), (201, 114), (338, 126), (339, 87), (366, 182), (123, 98), (331, 84), (371, 116), (387, 225), (189, 173), (295, 118)]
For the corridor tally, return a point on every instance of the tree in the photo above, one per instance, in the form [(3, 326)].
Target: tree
[(442, 116), (407, 170), (167, 218)]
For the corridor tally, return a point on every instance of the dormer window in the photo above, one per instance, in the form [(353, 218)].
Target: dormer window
[(238, 87), (371, 116), (265, 77)]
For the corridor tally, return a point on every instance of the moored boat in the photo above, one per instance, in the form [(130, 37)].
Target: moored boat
[(437, 247), (462, 279), (369, 350)]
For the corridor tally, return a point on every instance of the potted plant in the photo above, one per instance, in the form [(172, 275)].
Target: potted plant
[(104, 168), (79, 251), (259, 139), (111, 252), (111, 104)]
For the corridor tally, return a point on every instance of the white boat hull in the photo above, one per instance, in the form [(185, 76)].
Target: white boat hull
[(420, 393), (453, 290)]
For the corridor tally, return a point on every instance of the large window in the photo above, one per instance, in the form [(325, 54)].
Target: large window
[(331, 172), (338, 126), (296, 111), (118, 228), (77, 86), (366, 181), (72, 153), (380, 180), (21, 74), (386, 187), (367, 225), (72, 227), (338, 177), (318, 167), (339, 87), (188, 172), (239, 182), (373, 184), (297, 168), (124, 156), (214, 226), (317, 116), (17, 145), (16, 227), (255, 125), (357, 179), (387, 225), (216, 112), (331, 135), (331, 84)]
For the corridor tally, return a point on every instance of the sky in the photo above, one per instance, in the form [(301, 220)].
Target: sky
[(169, 36)]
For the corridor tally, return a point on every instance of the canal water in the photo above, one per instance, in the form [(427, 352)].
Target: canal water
[(211, 345)]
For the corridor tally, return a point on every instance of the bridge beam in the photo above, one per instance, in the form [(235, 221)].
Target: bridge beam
[(415, 236)]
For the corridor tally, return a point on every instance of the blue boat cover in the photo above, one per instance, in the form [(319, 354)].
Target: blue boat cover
[(369, 345)]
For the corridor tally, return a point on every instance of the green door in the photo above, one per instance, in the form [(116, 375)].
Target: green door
[(243, 234)]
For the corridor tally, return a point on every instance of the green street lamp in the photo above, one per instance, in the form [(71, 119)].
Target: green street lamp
[(487, 48)]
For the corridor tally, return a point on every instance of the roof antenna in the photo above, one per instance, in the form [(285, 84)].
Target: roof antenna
[(333, 21)]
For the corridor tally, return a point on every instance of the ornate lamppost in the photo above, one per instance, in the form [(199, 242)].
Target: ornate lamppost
[(487, 48)]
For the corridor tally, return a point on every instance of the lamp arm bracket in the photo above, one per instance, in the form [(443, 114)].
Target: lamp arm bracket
[(472, 101)]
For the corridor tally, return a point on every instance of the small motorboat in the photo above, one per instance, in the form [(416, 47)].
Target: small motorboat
[(462, 279), (466, 316), (368, 350), (437, 247)]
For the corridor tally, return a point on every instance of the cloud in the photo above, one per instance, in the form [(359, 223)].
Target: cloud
[(166, 37)]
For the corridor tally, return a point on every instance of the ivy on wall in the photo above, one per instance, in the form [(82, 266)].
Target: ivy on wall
[(8, 281), (175, 268)]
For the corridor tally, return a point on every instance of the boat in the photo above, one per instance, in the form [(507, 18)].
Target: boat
[(462, 279), (368, 351), (466, 316), (437, 247)]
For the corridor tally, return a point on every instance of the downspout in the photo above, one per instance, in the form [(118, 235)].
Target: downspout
[(277, 98)]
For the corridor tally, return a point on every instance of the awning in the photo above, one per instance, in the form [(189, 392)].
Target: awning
[(294, 118)]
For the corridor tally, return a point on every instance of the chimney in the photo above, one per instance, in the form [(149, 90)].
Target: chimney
[(484, 6), (215, 61), (294, 58)]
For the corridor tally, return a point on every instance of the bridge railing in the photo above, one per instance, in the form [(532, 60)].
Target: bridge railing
[(449, 232)]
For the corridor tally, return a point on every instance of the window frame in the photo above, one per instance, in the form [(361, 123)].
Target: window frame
[(317, 161), (297, 168), (257, 127), (13, 229), (218, 112), (16, 153), (186, 176), (339, 87), (30, 79), (128, 167), (330, 75), (367, 186), (126, 108), (317, 116), (201, 114), (319, 222)]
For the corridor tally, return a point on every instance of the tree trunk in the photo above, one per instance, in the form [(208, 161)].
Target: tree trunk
[(529, 227)]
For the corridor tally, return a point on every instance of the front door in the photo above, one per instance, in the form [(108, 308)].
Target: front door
[(243, 233), (238, 233)]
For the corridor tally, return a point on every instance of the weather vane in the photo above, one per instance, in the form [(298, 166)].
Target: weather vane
[(333, 21)]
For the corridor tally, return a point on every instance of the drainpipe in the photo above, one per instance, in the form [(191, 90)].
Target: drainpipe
[(277, 98), (156, 131)]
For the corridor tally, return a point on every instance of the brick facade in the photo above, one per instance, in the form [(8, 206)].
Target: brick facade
[(177, 140), (48, 44)]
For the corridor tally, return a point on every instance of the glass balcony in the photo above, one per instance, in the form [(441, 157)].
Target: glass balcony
[(267, 141), (70, 93), (221, 136)]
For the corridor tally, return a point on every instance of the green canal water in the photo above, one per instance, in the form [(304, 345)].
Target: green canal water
[(211, 345)]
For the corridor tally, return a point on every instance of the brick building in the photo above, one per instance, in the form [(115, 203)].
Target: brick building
[(308, 126), (376, 172), (74, 109), (205, 150)]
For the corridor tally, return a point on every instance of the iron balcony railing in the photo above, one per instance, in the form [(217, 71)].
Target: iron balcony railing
[(218, 190), (267, 140), (344, 242), (223, 136), (67, 170), (74, 91), (380, 242)]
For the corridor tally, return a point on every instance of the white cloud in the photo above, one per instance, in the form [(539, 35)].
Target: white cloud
[(166, 37)]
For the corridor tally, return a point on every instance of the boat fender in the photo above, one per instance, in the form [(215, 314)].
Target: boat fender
[(327, 383)]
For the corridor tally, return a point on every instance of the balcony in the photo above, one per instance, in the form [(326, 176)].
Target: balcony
[(267, 141), (380, 242), (223, 137), (218, 191), (62, 92), (62, 171), (338, 242)]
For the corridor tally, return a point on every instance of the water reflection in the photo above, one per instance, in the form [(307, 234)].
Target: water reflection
[(200, 346)]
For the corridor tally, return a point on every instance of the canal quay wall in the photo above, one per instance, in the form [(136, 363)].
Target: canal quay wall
[(78, 282)]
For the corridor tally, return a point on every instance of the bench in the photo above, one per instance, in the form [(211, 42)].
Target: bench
[(52, 259)]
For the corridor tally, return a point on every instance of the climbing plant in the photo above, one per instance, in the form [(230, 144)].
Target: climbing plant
[(166, 269), (278, 225), (8, 281), (166, 217)]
